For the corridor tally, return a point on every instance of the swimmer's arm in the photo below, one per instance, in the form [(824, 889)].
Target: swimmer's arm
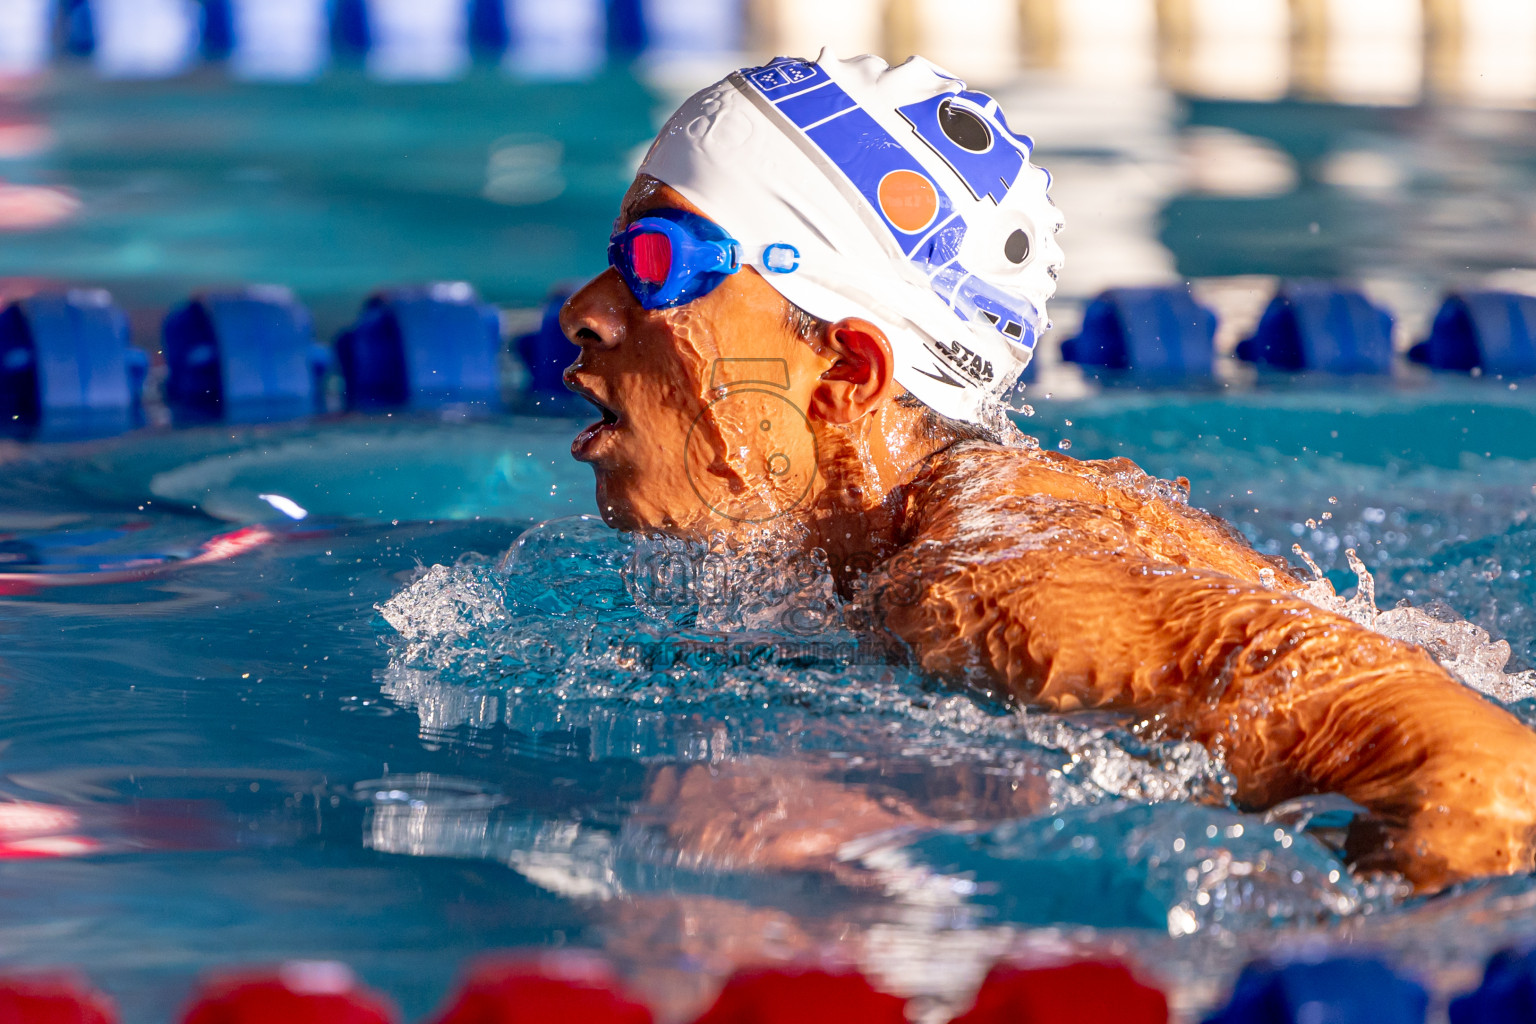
[(1297, 699)]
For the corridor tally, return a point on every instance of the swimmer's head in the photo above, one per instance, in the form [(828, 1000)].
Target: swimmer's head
[(783, 301), (891, 194), (715, 411)]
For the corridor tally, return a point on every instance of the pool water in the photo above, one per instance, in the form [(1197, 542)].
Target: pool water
[(447, 710), (329, 689), (332, 188)]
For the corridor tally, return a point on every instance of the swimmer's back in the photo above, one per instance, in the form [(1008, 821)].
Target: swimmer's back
[(1076, 585), (1001, 496)]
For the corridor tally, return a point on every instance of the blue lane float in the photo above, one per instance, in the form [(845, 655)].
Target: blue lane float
[(545, 353), (417, 39), (260, 39), (67, 368), (1494, 332), (422, 348), (435, 39), (628, 33), (78, 27), (218, 29), (1310, 326), (243, 356), (1161, 335), (350, 29), (133, 38), (1339, 990), (1507, 994), (489, 31)]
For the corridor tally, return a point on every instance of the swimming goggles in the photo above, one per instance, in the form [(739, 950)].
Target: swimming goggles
[(671, 257)]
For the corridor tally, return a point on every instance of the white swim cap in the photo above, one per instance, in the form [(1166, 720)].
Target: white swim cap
[(891, 194)]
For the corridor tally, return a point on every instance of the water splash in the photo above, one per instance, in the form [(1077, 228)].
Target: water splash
[(754, 581), (668, 653), (1463, 648), (1205, 869), (668, 649)]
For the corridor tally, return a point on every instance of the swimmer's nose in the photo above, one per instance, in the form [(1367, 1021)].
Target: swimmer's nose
[(594, 316)]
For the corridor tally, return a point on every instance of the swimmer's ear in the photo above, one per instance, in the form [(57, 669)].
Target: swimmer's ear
[(862, 376)]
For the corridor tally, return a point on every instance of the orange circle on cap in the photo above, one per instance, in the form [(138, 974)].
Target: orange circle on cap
[(908, 200)]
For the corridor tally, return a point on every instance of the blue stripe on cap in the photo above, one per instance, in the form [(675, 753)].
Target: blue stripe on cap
[(943, 245), (815, 105), (853, 140), (865, 152), (989, 174), (998, 309)]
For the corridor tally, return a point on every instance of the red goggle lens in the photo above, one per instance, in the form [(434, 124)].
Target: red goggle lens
[(650, 255)]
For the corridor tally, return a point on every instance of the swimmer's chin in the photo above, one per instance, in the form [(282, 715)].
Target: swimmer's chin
[(627, 520), (625, 516), (618, 513)]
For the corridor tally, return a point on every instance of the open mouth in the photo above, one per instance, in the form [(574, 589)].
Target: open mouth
[(586, 443)]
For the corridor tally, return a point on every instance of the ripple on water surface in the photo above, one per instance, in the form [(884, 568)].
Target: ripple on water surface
[(952, 814), (589, 740)]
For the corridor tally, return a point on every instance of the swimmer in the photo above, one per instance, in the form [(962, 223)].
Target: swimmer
[(823, 279)]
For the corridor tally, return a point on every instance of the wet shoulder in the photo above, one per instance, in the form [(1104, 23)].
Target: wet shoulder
[(981, 472), (1009, 493)]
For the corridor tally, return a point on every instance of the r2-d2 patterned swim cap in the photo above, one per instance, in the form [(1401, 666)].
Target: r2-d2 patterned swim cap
[(893, 194)]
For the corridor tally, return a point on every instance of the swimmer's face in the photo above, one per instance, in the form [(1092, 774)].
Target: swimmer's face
[(704, 406)]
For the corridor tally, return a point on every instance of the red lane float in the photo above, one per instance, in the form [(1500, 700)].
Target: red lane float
[(1078, 992), (556, 988), (581, 988), (30, 831), (302, 992), (803, 996), (53, 999), (29, 207), (216, 549)]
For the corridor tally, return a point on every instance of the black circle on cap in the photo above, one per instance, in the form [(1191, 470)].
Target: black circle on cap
[(1017, 247), (964, 128)]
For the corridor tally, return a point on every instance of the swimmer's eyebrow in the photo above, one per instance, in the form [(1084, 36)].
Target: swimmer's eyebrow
[(645, 204), (651, 195)]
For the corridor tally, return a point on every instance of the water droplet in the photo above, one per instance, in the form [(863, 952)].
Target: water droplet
[(1064, 444)]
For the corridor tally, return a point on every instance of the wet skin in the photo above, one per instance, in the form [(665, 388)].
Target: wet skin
[(1070, 584)]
